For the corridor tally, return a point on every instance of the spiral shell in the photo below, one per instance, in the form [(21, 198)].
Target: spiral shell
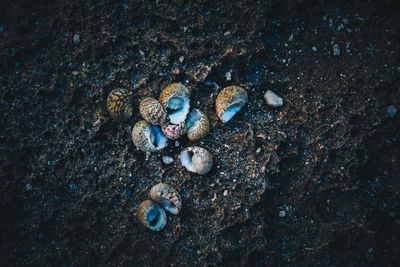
[(229, 101), (196, 159), (151, 215), (148, 137), (197, 125), (153, 112), (119, 104), (167, 197), (174, 131), (175, 99)]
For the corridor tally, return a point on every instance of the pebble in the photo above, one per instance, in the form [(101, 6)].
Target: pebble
[(76, 38), (176, 143), (167, 160), (228, 76), (75, 72), (225, 193), (273, 100), (336, 50), (181, 59), (314, 49), (28, 187), (290, 38), (391, 111), (282, 213)]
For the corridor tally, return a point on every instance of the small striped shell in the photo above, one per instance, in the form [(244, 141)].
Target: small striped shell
[(151, 215), (196, 159), (167, 197), (229, 101), (152, 111), (197, 125), (148, 137), (174, 131), (119, 104), (175, 99)]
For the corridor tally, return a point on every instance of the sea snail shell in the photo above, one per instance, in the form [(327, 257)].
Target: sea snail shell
[(174, 131), (148, 137), (175, 99), (151, 215), (229, 101), (196, 159), (119, 104), (167, 197), (198, 125), (153, 112)]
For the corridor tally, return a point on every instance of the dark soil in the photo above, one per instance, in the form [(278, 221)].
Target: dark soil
[(313, 183)]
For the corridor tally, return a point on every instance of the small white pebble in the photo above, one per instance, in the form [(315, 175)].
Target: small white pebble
[(273, 100), (167, 160), (290, 38), (141, 52), (198, 252), (181, 59), (282, 213), (314, 49), (76, 38), (227, 33), (75, 72), (336, 50), (228, 75), (258, 150), (225, 193)]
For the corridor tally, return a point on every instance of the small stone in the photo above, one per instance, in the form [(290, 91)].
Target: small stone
[(176, 143), (125, 6), (258, 150), (225, 193), (75, 72), (181, 59), (314, 49), (167, 160), (336, 50), (282, 213), (227, 33), (290, 38), (273, 100), (141, 52), (228, 76), (391, 111), (198, 252), (76, 38), (28, 187)]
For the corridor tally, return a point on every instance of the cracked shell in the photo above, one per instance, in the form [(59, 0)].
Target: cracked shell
[(197, 125), (119, 104), (175, 99), (196, 159), (174, 131), (151, 215), (153, 112), (229, 101), (167, 197), (148, 137)]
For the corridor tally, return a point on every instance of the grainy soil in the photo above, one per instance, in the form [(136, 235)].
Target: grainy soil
[(312, 183)]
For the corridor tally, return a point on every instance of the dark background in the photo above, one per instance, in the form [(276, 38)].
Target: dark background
[(315, 182)]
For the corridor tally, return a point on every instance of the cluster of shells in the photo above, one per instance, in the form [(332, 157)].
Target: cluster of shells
[(151, 212), (169, 118)]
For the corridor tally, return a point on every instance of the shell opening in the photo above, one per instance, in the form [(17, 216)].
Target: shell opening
[(156, 218), (157, 138), (186, 159), (177, 109), (194, 116), (231, 111), (169, 206)]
